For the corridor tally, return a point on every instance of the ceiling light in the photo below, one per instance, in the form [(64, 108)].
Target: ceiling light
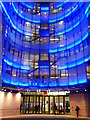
[(61, 22), (85, 90)]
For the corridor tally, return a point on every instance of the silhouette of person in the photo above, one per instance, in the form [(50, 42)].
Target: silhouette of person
[(77, 111)]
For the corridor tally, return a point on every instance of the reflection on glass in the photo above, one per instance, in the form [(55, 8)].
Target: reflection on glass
[(51, 105), (31, 105), (46, 105), (67, 105)]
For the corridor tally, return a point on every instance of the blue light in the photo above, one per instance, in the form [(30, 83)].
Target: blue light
[(6, 81), (71, 65), (60, 4), (15, 65), (34, 84), (36, 21), (43, 85), (70, 45), (79, 62), (44, 8), (73, 83), (63, 84), (28, 6), (62, 67), (82, 81), (53, 84), (21, 31), (87, 8), (14, 83), (24, 84), (72, 27), (27, 19), (44, 67), (66, 15)]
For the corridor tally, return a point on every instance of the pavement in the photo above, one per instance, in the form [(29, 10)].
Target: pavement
[(43, 117)]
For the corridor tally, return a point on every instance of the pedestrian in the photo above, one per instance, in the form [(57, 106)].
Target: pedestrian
[(77, 111)]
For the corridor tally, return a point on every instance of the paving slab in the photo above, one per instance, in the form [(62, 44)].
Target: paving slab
[(44, 117)]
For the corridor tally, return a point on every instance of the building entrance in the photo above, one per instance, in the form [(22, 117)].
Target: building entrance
[(45, 104)]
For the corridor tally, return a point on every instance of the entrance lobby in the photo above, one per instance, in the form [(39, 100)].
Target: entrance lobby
[(45, 104)]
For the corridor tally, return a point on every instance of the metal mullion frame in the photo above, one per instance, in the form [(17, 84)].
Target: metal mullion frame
[(64, 104), (48, 104), (29, 104), (59, 104), (33, 104), (44, 104), (54, 104), (39, 103)]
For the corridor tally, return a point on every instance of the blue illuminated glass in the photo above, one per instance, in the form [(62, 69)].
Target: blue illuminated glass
[(44, 67), (15, 65), (44, 8), (27, 19), (15, 27), (69, 46), (79, 62), (58, 5), (41, 85), (23, 32), (31, 6)]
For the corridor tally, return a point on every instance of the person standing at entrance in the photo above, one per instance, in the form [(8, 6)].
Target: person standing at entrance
[(77, 111), (55, 107)]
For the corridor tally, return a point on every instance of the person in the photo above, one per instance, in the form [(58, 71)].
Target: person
[(77, 111), (35, 108), (20, 107), (55, 108), (66, 106)]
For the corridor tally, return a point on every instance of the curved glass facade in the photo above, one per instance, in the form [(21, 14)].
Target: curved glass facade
[(46, 45)]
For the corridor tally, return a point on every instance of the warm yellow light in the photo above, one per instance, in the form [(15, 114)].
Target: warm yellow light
[(2, 94), (9, 95), (27, 23), (18, 96), (61, 22)]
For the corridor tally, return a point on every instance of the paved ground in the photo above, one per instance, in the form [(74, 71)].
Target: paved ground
[(43, 117)]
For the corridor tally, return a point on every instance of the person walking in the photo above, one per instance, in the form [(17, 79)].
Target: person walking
[(77, 111)]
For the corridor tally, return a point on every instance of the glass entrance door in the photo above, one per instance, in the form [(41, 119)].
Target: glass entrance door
[(57, 105), (46, 102), (35, 104), (52, 105), (40, 104), (67, 105), (31, 108), (61, 105), (26, 104)]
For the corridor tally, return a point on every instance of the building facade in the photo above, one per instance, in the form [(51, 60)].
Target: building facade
[(45, 50)]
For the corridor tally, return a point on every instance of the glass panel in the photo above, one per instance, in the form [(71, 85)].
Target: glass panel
[(56, 105), (51, 105), (35, 104), (26, 104), (46, 105), (38, 105), (31, 105), (67, 105), (61, 106), (41, 104), (21, 105)]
